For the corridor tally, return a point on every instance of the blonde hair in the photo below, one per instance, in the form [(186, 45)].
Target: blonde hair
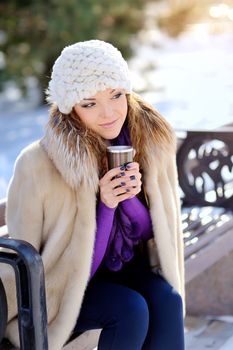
[(146, 126)]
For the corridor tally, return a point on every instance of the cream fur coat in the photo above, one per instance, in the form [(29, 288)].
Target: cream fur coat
[(52, 204)]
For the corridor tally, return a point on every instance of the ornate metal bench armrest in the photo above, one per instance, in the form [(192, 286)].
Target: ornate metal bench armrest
[(205, 167)]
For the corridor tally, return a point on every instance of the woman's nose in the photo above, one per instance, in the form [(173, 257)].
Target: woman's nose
[(107, 111)]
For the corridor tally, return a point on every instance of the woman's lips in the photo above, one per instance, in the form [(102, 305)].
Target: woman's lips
[(108, 125)]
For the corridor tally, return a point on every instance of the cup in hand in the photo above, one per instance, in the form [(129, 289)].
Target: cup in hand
[(119, 155)]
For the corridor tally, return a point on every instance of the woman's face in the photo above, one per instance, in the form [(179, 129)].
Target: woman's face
[(104, 113)]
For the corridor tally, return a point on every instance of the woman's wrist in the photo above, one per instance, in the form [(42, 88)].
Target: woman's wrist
[(107, 206)]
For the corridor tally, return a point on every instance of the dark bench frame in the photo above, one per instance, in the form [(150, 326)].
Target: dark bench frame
[(30, 287)]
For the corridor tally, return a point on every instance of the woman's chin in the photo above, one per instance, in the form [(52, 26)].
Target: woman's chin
[(111, 134)]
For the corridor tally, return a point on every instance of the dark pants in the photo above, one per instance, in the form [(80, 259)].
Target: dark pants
[(136, 308)]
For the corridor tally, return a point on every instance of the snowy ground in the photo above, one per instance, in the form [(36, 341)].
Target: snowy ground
[(189, 79), (16, 131)]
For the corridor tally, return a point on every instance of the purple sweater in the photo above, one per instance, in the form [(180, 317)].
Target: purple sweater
[(114, 239), (138, 215)]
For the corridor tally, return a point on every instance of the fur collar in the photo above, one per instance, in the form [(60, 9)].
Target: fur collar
[(77, 167), (78, 153)]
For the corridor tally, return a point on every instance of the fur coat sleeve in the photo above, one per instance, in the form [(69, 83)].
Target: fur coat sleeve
[(20, 208), (161, 185), (24, 199), (60, 223)]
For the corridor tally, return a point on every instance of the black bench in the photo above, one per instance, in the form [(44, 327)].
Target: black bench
[(30, 287)]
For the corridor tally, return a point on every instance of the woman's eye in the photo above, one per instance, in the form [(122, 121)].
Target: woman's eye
[(117, 95), (88, 105)]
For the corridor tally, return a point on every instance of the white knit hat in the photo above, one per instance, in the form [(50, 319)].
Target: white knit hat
[(83, 69)]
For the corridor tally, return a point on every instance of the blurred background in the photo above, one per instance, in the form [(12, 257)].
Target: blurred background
[(180, 54)]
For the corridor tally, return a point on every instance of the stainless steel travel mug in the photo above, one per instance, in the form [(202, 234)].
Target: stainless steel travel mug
[(119, 155)]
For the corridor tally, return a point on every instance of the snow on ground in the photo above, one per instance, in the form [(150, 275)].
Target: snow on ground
[(190, 78)]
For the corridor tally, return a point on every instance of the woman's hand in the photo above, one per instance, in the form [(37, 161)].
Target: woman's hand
[(119, 184)]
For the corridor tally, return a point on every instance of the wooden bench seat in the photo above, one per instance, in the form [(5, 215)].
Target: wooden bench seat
[(208, 236)]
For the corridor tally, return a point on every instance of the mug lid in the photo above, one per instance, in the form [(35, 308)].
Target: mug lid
[(119, 149)]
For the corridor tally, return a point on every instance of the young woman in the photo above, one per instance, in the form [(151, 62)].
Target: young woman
[(101, 232)]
